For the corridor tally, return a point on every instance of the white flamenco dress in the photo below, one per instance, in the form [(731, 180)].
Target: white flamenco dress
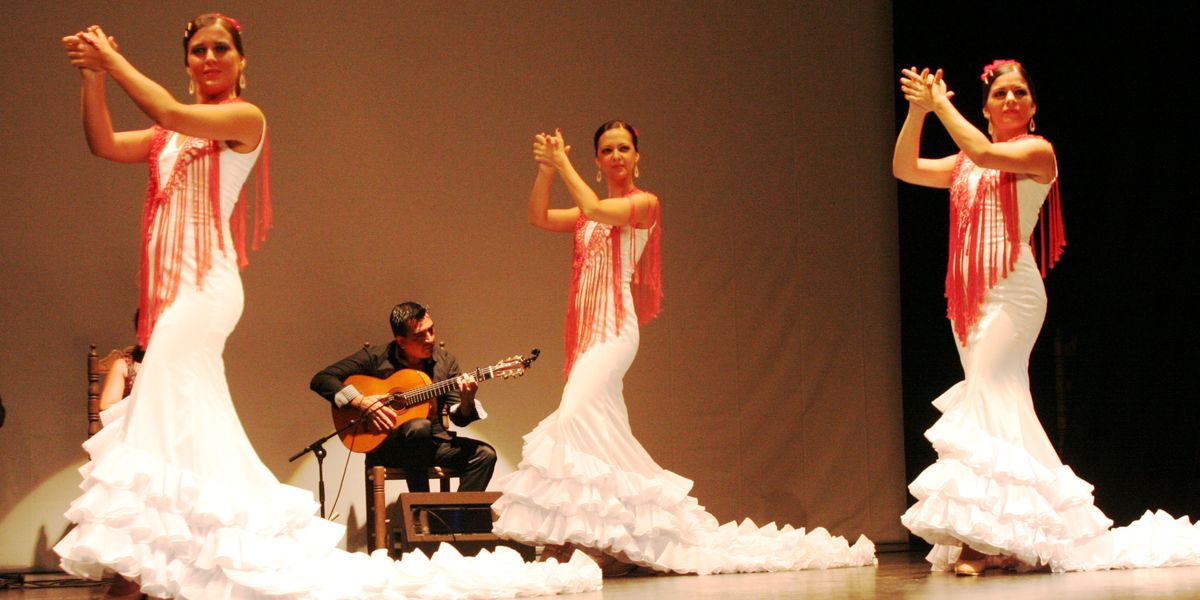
[(585, 480), (176, 498), (998, 485)]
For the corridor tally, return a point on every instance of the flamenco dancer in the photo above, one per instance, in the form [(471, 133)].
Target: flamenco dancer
[(175, 500), (998, 495), (584, 480)]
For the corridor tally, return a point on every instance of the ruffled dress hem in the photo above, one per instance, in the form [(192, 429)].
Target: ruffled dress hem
[(561, 495)]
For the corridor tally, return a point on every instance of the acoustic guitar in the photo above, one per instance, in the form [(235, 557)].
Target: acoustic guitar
[(412, 395)]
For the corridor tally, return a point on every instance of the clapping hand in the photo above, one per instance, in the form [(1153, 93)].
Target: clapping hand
[(90, 49), (924, 90), (550, 151)]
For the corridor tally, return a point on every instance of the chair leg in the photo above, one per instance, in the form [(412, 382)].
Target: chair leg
[(370, 498), (377, 526)]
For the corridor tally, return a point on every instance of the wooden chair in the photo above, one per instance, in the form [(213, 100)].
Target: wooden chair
[(97, 369), (379, 530)]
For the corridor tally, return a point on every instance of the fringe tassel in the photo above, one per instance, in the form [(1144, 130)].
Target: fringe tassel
[(1050, 237), (592, 267), (262, 209), (194, 187), (985, 239), (646, 285), (596, 270), (262, 192)]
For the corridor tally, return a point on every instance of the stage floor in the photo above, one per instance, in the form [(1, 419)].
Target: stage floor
[(899, 575)]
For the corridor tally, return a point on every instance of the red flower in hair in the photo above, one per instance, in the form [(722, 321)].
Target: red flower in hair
[(232, 21), (995, 66)]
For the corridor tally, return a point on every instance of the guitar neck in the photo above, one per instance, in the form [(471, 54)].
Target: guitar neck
[(424, 393)]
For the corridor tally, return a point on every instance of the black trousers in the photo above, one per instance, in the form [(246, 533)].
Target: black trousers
[(413, 447)]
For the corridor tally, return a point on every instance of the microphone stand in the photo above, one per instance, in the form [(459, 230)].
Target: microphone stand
[(318, 449)]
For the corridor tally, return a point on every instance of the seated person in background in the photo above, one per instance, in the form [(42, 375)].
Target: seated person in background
[(121, 373), (119, 380), (417, 444)]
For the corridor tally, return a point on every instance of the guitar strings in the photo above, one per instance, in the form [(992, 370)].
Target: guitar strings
[(418, 395)]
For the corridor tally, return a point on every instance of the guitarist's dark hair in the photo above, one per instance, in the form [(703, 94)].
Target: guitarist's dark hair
[(403, 313)]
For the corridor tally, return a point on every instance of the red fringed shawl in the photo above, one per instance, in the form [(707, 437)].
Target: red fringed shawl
[(596, 269), (193, 188), (979, 257)]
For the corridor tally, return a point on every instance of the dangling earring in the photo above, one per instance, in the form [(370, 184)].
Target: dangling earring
[(191, 87), (242, 81), (1032, 127), (636, 173), (990, 133), (599, 178)]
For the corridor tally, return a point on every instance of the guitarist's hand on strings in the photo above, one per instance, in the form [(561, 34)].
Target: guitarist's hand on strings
[(467, 386), (383, 419)]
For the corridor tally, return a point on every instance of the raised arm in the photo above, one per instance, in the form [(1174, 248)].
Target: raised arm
[(538, 211), (907, 164), (639, 210), (123, 146), (238, 123), (1031, 156)]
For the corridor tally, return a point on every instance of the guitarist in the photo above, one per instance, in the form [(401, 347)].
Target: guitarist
[(418, 444)]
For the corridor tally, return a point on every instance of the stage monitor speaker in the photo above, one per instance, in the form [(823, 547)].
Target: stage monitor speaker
[(461, 519)]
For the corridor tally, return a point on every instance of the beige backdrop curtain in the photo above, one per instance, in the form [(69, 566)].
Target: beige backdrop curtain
[(400, 148)]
